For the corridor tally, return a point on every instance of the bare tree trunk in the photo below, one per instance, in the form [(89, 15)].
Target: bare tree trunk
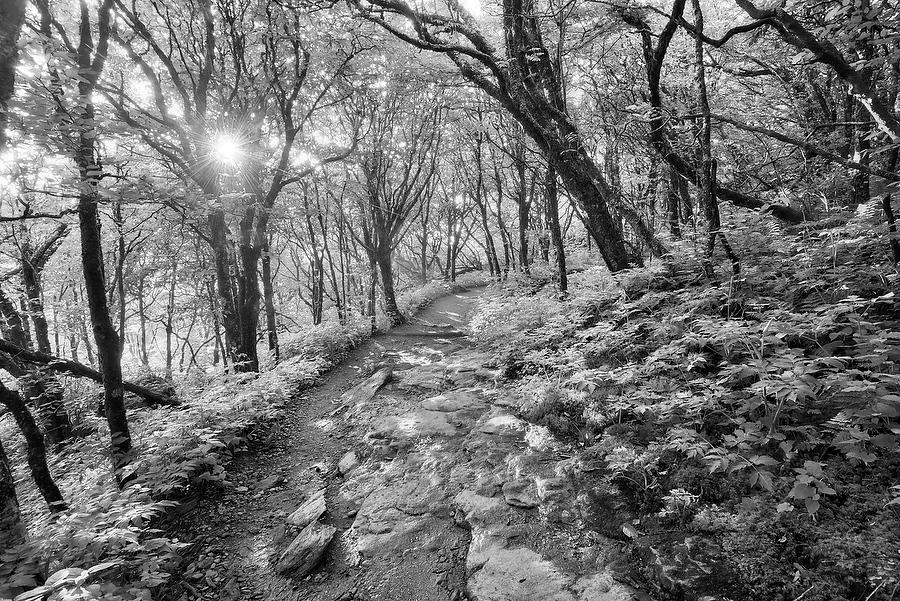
[(37, 452), (385, 266), (12, 530), (269, 301), (170, 315), (889, 211), (119, 278), (40, 386), (142, 318), (707, 182), (555, 231), (673, 197), (108, 347), (222, 265)]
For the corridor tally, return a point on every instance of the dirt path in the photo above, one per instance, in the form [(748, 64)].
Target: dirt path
[(452, 497)]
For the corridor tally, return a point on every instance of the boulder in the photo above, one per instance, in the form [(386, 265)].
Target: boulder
[(306, 550)]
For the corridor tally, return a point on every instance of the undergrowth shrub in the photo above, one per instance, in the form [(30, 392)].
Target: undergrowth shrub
[(732, 411)]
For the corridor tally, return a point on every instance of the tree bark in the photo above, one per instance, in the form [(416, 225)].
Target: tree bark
[(269, 301), (889, 210), (37, 452), (108, 347), (170, 315), (142, 319), (673, 216), (555, 231), (12, 530), (386, 268)]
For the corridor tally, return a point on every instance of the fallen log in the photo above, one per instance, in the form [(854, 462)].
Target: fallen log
[(74, 368)]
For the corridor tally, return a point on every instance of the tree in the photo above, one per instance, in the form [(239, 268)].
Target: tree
[(79, 134), (397, 174)]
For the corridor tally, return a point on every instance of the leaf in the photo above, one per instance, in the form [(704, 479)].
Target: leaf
[(763, 479), (67, 576), (812, 506), (885, 441), (802, 491), (101, 567), (763, 460)]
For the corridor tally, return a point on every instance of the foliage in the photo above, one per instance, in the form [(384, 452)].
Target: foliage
[(777, 392)]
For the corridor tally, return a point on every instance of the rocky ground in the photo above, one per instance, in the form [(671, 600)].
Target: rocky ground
[(409, 474)]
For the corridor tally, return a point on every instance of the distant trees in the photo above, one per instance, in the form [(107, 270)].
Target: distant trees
[(398, 170), (526, 83)]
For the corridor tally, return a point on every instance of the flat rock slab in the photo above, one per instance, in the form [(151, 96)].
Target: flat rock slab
[(399, 514), (454, 400), (430, 377), (418, 423), (306, 550), (519, 575), (310, 511), (523, 575)]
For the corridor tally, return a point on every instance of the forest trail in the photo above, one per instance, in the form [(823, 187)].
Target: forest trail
[(453, 497)]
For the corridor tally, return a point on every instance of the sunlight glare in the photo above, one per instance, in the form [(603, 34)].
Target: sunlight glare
[(226, 149), (472, 6)]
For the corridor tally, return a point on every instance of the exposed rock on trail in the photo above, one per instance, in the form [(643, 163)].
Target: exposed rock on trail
[(428, 487)]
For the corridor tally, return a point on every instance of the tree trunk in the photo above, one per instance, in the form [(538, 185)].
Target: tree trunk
[(108, 347), (120, 271), (12, 530), (672, 201), (170, 315), (859, 181), (82, 328), (269, 301), (142, 318), (707, 183), (247, 300), (230, 320), (555, 230), (385, 266), (37, 452), (40, 387), (889, 211)]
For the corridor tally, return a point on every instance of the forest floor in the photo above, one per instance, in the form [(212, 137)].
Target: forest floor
[(453, 495)]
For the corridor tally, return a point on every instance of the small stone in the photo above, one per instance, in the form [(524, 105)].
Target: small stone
[(271, 481), (347, 462)]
